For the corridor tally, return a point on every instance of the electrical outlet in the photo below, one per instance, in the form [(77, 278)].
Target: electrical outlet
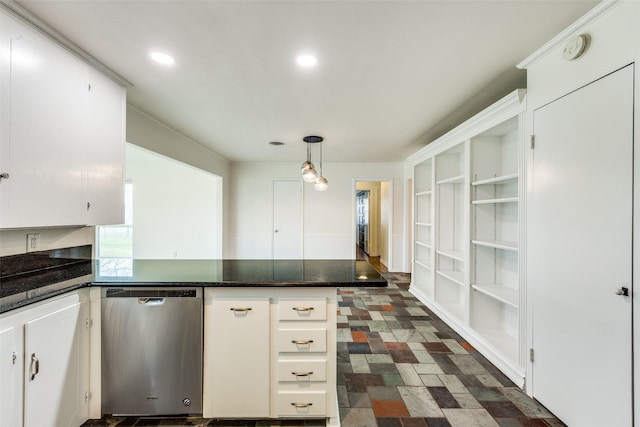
[(33, 242)]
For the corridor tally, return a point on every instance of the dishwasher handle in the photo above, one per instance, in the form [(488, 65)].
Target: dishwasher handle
[(151, 301)]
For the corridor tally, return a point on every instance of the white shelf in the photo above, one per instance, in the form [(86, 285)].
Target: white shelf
[(494, 201), (497, 180), (453, 275), (453, 180), (423, 244), (450, 253), (424, 193), (422, 264), (424, 224), (501, 342), (500, 293), (454, 308), (497, 244)]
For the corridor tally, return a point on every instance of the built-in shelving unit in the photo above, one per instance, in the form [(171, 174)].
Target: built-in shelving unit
[(423, 227), (495, 302), (467, 208)]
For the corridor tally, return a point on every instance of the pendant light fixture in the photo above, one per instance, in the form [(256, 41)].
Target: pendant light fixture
[(308, 170), (321, 182), (309, 173)]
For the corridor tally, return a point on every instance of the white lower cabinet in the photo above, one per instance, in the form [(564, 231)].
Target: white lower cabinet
[(10, 374), (270, 353), (238, 359), (44, 363)]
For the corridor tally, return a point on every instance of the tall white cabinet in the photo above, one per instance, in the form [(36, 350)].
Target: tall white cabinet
[(467, 220), (583, 175)]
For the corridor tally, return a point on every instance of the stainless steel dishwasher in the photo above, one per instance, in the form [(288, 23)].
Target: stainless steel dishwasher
[(151, 351)]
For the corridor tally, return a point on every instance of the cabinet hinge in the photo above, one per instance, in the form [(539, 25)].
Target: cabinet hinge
[(87, 323), (14, 357), (89, 88), (533, 141), (531, 355), (86, 397)]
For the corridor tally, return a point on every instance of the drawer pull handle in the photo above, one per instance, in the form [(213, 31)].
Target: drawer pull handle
[(302, 309), (301, 405), (34, 368), (301, 342), (302, 374), (240, 309)]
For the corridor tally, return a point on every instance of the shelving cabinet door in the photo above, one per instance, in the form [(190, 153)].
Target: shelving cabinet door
[(56, 373), (237, 357), (10, 375), (43, 105)]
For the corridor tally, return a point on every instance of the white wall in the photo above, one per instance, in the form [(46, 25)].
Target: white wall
[(386, 209), (146, 132), (329, 217), (177, 209)]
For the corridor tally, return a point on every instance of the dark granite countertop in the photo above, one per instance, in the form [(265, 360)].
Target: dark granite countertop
[(33, 277), (234, 273)]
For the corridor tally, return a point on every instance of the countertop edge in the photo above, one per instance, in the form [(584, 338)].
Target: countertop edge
[(23, 299)]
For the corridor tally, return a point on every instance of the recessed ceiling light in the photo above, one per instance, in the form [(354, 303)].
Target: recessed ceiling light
[(162, 58), (306, 60)]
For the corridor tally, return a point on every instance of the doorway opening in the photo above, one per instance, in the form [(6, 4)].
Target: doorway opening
[(373, 211)]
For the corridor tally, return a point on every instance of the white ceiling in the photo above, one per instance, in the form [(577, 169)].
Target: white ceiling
[(391, 76)]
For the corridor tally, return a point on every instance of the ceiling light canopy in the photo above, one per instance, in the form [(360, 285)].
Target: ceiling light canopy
[(306, 60), (162, 58)]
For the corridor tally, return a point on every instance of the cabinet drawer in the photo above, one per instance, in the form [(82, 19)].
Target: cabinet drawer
[(302, 309), (302, 340), (302, 370), (302, 404)]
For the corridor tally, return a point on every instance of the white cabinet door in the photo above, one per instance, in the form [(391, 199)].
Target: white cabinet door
[(56, 368), (10, 376), (238, 331), (579, 226), (104, 151), (43, 127)]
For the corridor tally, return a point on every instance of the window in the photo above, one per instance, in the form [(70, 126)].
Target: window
[(114, 243)]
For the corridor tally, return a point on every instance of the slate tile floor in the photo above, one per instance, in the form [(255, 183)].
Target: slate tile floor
[(399, 365)]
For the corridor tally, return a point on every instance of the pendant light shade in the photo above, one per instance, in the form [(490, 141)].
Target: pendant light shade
[(321, 184), (309, 174), (306, 165)]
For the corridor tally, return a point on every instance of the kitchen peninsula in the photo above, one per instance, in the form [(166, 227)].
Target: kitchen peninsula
[(269, 333)]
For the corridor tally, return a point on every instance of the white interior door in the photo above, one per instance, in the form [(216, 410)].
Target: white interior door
[(579, 234), (287, 219)]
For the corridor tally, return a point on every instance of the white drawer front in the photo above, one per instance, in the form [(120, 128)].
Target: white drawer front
[(302, 404), (302, 340), (302, 309), (302, 371)]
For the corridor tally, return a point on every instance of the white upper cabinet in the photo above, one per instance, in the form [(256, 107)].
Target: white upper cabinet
[(62, 135), (104, 150)]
